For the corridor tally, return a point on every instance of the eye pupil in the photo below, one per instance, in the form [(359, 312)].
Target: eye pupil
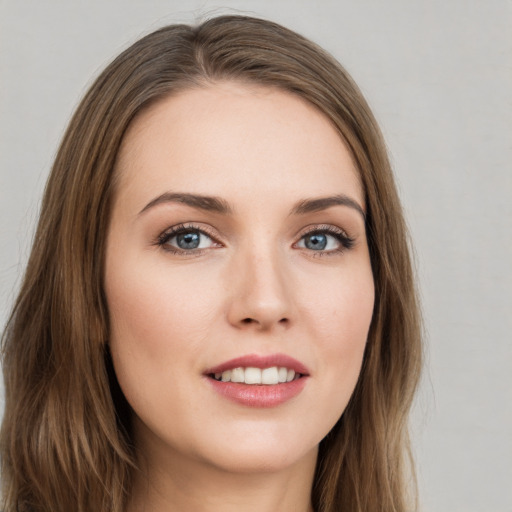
[(317, 242), (188, 240)]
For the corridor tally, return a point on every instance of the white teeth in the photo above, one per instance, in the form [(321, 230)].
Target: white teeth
[(237, 375), (253, 376), (250, 375), (269, 376)]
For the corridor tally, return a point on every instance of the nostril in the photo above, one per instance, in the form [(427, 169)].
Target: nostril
[(250, 321)]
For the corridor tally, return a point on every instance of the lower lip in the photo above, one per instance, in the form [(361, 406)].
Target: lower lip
[(254, 395)]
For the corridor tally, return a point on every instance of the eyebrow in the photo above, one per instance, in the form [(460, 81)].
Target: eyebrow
[(322, 203), (218, 205), (207, 203)]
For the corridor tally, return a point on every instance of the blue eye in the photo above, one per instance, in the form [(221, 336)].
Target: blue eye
[(326, 240), (316, 242), (184, 239), (188, 240)]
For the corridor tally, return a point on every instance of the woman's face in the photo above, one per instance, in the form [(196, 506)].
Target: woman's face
[(236, 259)]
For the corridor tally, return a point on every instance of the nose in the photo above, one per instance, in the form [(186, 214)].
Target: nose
[(261, 295)]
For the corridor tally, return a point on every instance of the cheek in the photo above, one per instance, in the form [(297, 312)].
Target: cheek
[(338, 320), (352, 320), (159, 327), (340, 307), (156, 309)]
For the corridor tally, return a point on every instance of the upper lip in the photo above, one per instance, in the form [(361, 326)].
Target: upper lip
[(260, 361)]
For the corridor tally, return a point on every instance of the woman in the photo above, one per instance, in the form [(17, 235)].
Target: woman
[(219, 308)]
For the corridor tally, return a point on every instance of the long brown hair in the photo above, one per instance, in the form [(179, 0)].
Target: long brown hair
[(65, 438)]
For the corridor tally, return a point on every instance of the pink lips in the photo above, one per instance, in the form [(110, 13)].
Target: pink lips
[(254, 395)]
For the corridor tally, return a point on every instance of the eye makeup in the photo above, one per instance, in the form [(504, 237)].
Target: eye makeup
[(192, 239), (187, 239), (324, 240)]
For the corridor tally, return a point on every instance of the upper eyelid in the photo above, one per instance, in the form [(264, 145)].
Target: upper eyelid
[(318, 228), (187, 227), (184, 226)]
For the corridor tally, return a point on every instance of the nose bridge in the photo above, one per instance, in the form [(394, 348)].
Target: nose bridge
[(262, 295)]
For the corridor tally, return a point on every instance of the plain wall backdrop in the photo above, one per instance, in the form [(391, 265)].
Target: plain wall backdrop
[(438, 75)]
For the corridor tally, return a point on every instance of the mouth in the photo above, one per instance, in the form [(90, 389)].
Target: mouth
[(257, 376), (259, 381)]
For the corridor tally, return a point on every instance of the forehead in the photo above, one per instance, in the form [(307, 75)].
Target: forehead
[(258, 139)]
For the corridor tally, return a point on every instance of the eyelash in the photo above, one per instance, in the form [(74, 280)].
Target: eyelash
[(346, 242), (163, 239)]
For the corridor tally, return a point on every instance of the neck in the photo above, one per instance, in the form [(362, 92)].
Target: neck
[(180, 484)]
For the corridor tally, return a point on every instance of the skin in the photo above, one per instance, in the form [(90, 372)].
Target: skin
[(252, 287)]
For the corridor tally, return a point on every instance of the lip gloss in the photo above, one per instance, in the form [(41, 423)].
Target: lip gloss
[(259, 395), (256, 395)]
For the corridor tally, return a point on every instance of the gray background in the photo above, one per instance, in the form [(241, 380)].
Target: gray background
[(438, 75)]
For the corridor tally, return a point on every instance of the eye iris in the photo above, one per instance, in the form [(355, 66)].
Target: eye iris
[(188, 240), (317, 242)]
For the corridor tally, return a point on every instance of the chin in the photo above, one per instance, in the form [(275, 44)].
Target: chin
[(260, 449), (261, 459)]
